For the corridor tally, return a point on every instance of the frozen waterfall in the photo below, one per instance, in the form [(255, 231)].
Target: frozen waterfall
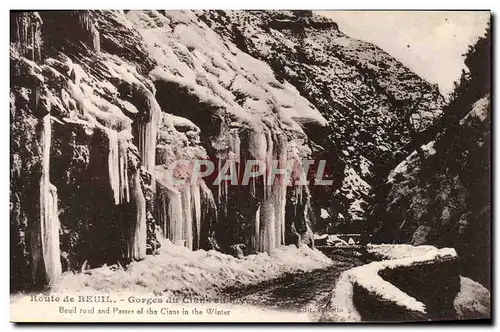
[(179, 212)]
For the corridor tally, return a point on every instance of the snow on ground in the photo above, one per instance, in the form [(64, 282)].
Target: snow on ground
[(180, 278), (177, 269), (391, 251), (367, 277), (175, 279)]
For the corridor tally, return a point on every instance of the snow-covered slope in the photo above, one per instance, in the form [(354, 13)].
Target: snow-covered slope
[(178, 270)]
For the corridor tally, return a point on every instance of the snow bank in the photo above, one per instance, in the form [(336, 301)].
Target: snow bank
[(367, 277), (180, 270), (392, 251)]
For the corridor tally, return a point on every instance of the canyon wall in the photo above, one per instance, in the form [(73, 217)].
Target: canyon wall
[(440, 193)]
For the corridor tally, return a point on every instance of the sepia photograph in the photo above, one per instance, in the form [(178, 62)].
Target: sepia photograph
[(322, 166)]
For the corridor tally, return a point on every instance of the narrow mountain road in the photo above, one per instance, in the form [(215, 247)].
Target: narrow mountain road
[(299, 292)]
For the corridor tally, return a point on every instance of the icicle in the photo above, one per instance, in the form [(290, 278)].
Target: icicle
[(175, 216), (87, 23), (257, 149), (280, 190), (148, 132), (123, 170), (161, 209), (53, 251), (235, 147), (208, 217), (196, 205), (267, 220), (270, 241), (96, 39), (280, 203), (49, 220), (226, 195), (179, 211), (219, 187), (138, 239), (182, 212), (187, 217), (258, 146), (256, 236), (114, 164), (117, 166), (84, 19)]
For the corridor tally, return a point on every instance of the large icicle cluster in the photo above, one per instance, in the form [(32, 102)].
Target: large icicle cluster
[(117, 165), (180, 209), (124, 178), (269, 146), (43, 226), (273, 149)]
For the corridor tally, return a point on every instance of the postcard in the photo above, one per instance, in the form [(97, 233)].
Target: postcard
[(250, 166)]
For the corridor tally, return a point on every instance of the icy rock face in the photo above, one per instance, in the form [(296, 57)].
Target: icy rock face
[(86, 22), (36, 226), (359, 89), (253, 117), (440, 194), (473, 301), (82, 126)]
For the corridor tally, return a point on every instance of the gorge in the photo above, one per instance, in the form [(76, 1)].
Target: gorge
[(102, 103)]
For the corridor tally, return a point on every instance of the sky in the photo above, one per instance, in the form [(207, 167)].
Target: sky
[(430, 43)]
